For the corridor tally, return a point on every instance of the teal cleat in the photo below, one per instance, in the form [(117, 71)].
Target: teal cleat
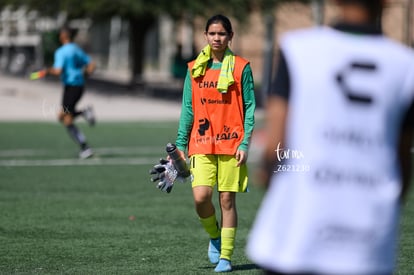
[(223, 266), (214, 248)]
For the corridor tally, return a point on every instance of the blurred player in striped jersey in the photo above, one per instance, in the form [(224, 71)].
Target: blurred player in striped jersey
[(343, 98)]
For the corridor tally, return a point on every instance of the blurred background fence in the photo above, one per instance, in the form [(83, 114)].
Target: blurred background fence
[(141, 43)]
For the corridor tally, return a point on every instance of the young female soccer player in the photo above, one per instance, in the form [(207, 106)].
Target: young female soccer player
[(216, 124)]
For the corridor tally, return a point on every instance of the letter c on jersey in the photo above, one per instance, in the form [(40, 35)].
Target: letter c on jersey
[(352, 93)]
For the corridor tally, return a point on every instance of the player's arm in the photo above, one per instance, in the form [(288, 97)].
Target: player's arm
[(90, 67), (405, 144), (249, 106), (276, 115), (57, 67), (186, 117), (54, 71)]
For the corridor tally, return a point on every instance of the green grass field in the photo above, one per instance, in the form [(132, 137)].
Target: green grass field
[(60, 215)]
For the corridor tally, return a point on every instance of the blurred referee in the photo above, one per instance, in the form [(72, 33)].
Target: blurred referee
[(340, 119), (71, 64)]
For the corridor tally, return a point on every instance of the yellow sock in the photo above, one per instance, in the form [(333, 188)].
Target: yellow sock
[(227, 242), (211, 226)]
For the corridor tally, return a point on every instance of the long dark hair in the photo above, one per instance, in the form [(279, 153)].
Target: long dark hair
[(219, 18)]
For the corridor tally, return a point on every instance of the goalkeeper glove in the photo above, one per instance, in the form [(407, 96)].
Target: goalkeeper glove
[(165, 173)]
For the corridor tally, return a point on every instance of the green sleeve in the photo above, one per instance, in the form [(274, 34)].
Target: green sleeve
[(249, 102), (186, 117)]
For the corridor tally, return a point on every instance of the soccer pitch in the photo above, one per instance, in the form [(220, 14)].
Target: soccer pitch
[(103, 215), (61, 215)]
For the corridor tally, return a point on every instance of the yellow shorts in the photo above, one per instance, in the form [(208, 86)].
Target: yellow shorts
[(209, 170)]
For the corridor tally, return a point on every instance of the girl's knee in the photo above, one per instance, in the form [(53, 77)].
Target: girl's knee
[(227, 200)]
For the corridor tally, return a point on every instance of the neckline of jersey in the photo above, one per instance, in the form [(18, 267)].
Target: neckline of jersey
[(364, 29)]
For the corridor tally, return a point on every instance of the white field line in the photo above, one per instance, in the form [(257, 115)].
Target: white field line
[(122, 158), (98, 151), (129, 150), (22, 153), (77, 162), (253, 157)]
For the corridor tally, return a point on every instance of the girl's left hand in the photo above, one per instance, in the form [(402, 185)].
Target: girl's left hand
[(241, 156)]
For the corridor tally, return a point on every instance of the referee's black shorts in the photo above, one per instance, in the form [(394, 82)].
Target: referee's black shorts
[(71, 96)]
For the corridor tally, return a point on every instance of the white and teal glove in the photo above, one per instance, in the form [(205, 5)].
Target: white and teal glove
[(165, 173)]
